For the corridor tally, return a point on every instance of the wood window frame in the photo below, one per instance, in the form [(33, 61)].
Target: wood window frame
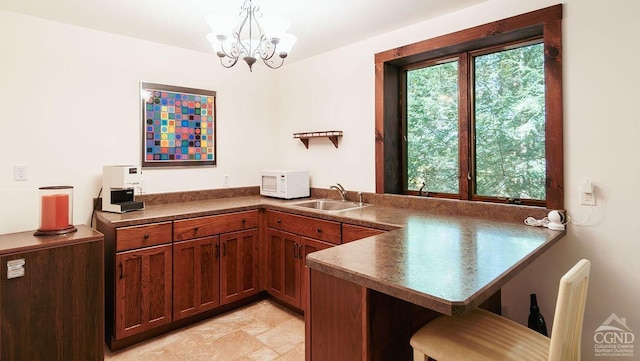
[(389, 65)]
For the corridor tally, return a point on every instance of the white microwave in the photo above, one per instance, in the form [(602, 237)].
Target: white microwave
[(287, 184)]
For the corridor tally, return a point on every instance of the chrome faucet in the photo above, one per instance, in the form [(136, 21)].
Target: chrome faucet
[(341, 190)]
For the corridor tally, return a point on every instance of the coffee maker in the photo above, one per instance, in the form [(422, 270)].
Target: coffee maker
[(119, 183)]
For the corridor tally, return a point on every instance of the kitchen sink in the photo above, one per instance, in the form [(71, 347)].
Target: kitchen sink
[(329, 205)]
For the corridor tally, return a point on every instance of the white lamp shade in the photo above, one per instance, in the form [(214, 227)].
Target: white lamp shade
[(274, 26), (221, 24), (286, 43), (215, 43)]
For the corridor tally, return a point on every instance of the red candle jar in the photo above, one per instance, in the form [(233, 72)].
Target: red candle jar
[(56, 211)]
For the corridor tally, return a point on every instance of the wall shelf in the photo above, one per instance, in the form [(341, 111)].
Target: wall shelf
[(333, 136)]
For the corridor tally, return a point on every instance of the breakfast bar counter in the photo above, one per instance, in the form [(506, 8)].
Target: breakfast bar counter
[(447, 264), (368, 297)]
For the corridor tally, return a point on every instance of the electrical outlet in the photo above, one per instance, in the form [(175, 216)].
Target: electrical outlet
[(20, 172), (587, 197), (226, 180)]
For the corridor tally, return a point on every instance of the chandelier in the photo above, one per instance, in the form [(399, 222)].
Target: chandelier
[(248, 39)]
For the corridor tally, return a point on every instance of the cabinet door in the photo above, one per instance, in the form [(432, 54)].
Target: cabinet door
[(238, 265), (54, 311), (308, 246), (284, 266), (196, 276), (143, 290)]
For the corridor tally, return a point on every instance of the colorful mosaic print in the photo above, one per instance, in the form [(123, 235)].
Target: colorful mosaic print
[(179, 126)]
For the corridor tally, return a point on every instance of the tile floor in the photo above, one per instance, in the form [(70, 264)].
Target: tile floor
[(263, 331)]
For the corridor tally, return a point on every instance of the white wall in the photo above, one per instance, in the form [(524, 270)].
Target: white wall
[(55, 80), (336, 91), (70, 104)]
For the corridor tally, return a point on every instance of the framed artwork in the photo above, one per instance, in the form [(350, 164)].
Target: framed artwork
[(179, 126)]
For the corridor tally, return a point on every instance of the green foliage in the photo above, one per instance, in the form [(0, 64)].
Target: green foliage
[(432, 128), (509, 118), (509, 123)]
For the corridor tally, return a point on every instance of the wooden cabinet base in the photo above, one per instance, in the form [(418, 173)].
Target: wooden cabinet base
[(336, 322), (349, 322)]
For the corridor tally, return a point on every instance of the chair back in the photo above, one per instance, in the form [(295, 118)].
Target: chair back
[(569, 314)]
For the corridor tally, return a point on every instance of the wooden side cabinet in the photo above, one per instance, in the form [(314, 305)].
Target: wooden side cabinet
[(51, 296)]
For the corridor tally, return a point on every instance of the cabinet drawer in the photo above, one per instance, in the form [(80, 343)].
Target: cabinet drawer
[(323, 230), (143, 236), (212, 225), (351, 232)]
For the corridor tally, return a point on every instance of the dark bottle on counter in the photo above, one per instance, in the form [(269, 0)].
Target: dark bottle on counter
[(536, 321)]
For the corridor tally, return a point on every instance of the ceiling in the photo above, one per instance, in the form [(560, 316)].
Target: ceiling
[(320, 25)]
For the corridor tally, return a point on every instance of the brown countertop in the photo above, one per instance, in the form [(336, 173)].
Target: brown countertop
[(447, 264), (26, 241), (450, 264)]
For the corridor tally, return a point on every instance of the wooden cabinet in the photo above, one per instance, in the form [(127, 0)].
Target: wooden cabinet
[(143, 290), (351, 232), (230, 261), (320, 229), (196, 276), (308, 246), (160, 273), (239, 265), (143, 278), (54, 310), (212, 225), (284, 266), (288, 251)]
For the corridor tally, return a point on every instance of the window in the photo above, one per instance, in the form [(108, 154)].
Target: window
[(474, 115), (431, 124)]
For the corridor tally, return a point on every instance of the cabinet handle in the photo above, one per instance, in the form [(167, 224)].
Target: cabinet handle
[(319, 230), (244, 222), (146, 236), (299, 251), (224, 249), (278, 221), (217, 251), (295, 250), (195, 229), (121, 270)]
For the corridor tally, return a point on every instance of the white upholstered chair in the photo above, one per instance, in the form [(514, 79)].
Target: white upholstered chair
[(482, 335)]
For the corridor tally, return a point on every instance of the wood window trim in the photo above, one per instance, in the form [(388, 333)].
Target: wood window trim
[(544, 22)]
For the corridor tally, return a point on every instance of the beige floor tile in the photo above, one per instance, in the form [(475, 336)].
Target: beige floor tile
[(297, 354), (285, 336), (174, 340), (219, 326), (270, 312), (263, 331), (229, 347), (263, 354)]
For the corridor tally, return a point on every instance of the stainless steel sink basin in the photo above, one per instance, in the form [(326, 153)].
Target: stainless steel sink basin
[(329, 205)]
